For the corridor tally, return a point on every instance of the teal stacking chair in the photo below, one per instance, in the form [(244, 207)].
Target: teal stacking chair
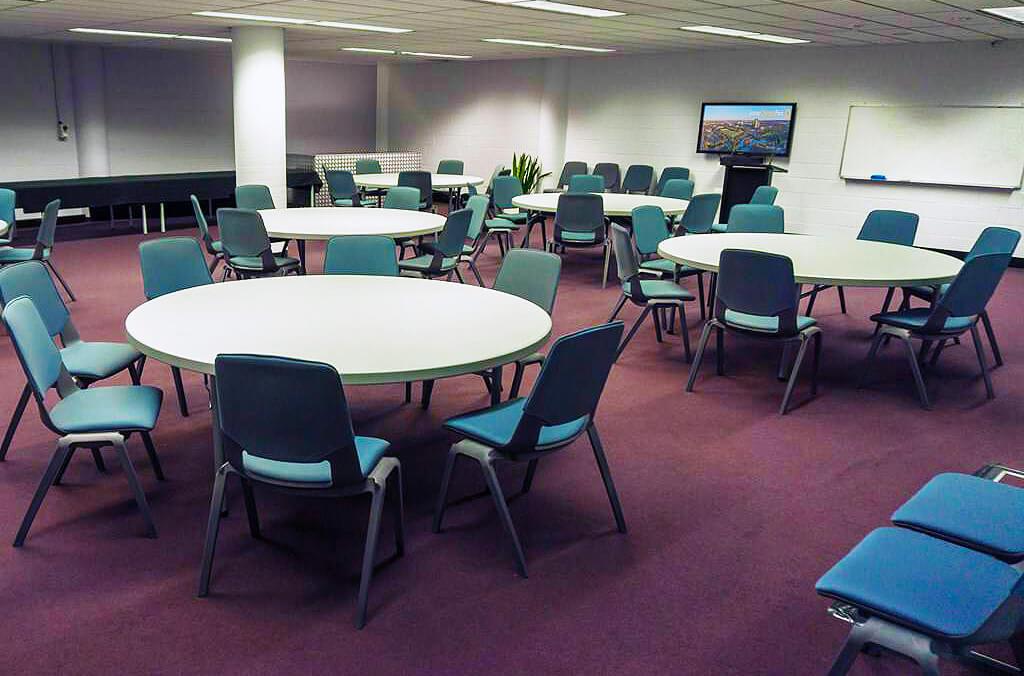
[(764, 194), (507, 188), (42, 250), (669, 173), (609, 171), (370, 166), (7, 214), (441, 258), (991, 240), (677, 188), (246, 245), (569, 169), (638, 179), (653, 295), (421, 181), (584, 183), (758, 298), (757, 218), (650, 231), (83, 418), (343, 189), (403, 197), (956, 312), (87, 362), (699, 217), (169, 265), (926, 599), (214, 247), (559, 410), (478, 234), (257, 197), (361, 255), (286, 426), (580, 222), (881, 225)]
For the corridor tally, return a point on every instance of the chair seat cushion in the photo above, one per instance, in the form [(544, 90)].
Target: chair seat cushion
[(979, 513), (514, 216), (658, 289), (422, 263), (719, 227), (369, 449), (577, 237), (10, 254), (256, 263), (217, 246), (915, 319), (96, 361), (495, 426), (347, 202), (120, 408), (659, 265), (468, 249), (928, 584), (761, 323), (503, 224)]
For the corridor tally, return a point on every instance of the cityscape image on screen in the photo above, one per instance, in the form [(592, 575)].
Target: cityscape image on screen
[(746, 128)]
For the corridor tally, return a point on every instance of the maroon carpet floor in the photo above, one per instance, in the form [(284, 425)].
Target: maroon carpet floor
[(733, 514)]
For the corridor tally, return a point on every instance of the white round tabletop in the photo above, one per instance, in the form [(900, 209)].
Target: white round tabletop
[(439, 181), (326, 222), (615, 204), (371, 329), (822, 260)]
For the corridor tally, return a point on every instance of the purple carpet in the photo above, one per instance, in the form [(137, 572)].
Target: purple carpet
[(733, 514)]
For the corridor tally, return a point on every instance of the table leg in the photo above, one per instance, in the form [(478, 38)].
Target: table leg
[(163, 219), (496, 385), (301, 244), (145, 223)]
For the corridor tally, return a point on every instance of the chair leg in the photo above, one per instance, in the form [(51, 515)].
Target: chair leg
[(154, 459), (842, 299), (618, 308), (212, 527), (442, 496), (531, 469), (133, 373), (369, 552), (633, 330), (56, 273), (915, 369), (503, 514), (935, 354), (814, 297), (476, 272), (62, 453), (606, 476), (700, 296), (816, 363), (19, 410), (458, 275), (712, 291), (398, 505), (976, 337), (720, 351), (848, 654), (685, 331), (987, 323), (869, 362), (701, 346), (133, 481), (793, 374), (656, 315), (517, 380), (428, 390), (179, 388), (408, 391), (63, 468), (97, 458), (885, 305), (251, 512), (607, 263)]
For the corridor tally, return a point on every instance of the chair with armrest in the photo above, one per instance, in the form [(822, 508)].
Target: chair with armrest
[(650, 230), (286, 427), (247, 248), (343, 189), (214, 247), (558, 410), (258, 197), (43, 248), (441, 258), (422, 181), (580, 223)]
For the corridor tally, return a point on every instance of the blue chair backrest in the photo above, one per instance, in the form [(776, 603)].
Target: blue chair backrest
[(361, 255), (451, 239), (700, 213), (204, 227), (677, 188), (253, 196), (580, 183), (610, 172), (478, 205), (402, 197), (892, 227), (995, 240), (342, 185), (451, 167), (286, 410), (36, 350), (421, 181), (668, 173), (571, 381), (31, 279), (639, 178), (7, 202), (764, 194), (570, 169), (506, 188), (368, 167), (649, 228), (242, 232), (970, 292), (580, 213), (759, 284), (756, 218), (47, 226), (172, 264), (530, 274)]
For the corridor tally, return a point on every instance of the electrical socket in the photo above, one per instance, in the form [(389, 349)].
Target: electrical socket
[(63, 131)]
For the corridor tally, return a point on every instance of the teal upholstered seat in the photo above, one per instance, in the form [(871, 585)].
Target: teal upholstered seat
[(97, 360), (763, 323), (514, 217), (422, 263), (659, 265), (916, 318), (657, 289), (123, 407), (42, 250), (495, 426), (369, 449), (255, 263), (9, 255), (582, 237), (503, 224)]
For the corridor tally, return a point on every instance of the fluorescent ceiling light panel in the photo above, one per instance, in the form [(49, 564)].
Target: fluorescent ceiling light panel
[(303, 22), (368, 50), (552, 45), (1011, 13), (131, 34), (561, 7), (202, 38), (748, 35), (436, 56)]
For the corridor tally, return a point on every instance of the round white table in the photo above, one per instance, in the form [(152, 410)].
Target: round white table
[(321, 223), (373, 330), (828, 261), (439, 181), (615, 204)]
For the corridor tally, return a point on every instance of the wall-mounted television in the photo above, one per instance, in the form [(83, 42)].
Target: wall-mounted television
[(746, 128)]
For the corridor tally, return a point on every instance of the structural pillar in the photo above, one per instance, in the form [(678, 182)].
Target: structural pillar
[(553, 120), (257, 67), (383, 83), (88, 86)]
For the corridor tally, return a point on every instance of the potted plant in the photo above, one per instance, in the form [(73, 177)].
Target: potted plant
[(528, 170)]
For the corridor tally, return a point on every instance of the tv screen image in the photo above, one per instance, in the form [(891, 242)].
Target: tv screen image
[(746, 128)]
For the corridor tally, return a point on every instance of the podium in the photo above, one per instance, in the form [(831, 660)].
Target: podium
[(743, 175)]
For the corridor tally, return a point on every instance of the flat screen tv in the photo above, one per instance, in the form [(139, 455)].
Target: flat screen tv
[(746, 128)]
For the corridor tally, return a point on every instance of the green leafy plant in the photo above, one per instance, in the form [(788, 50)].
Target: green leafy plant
[(528, 170)]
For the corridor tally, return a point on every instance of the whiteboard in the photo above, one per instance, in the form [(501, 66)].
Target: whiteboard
[(977, 146)]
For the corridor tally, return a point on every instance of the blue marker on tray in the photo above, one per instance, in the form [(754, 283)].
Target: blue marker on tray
[(877, 177)]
